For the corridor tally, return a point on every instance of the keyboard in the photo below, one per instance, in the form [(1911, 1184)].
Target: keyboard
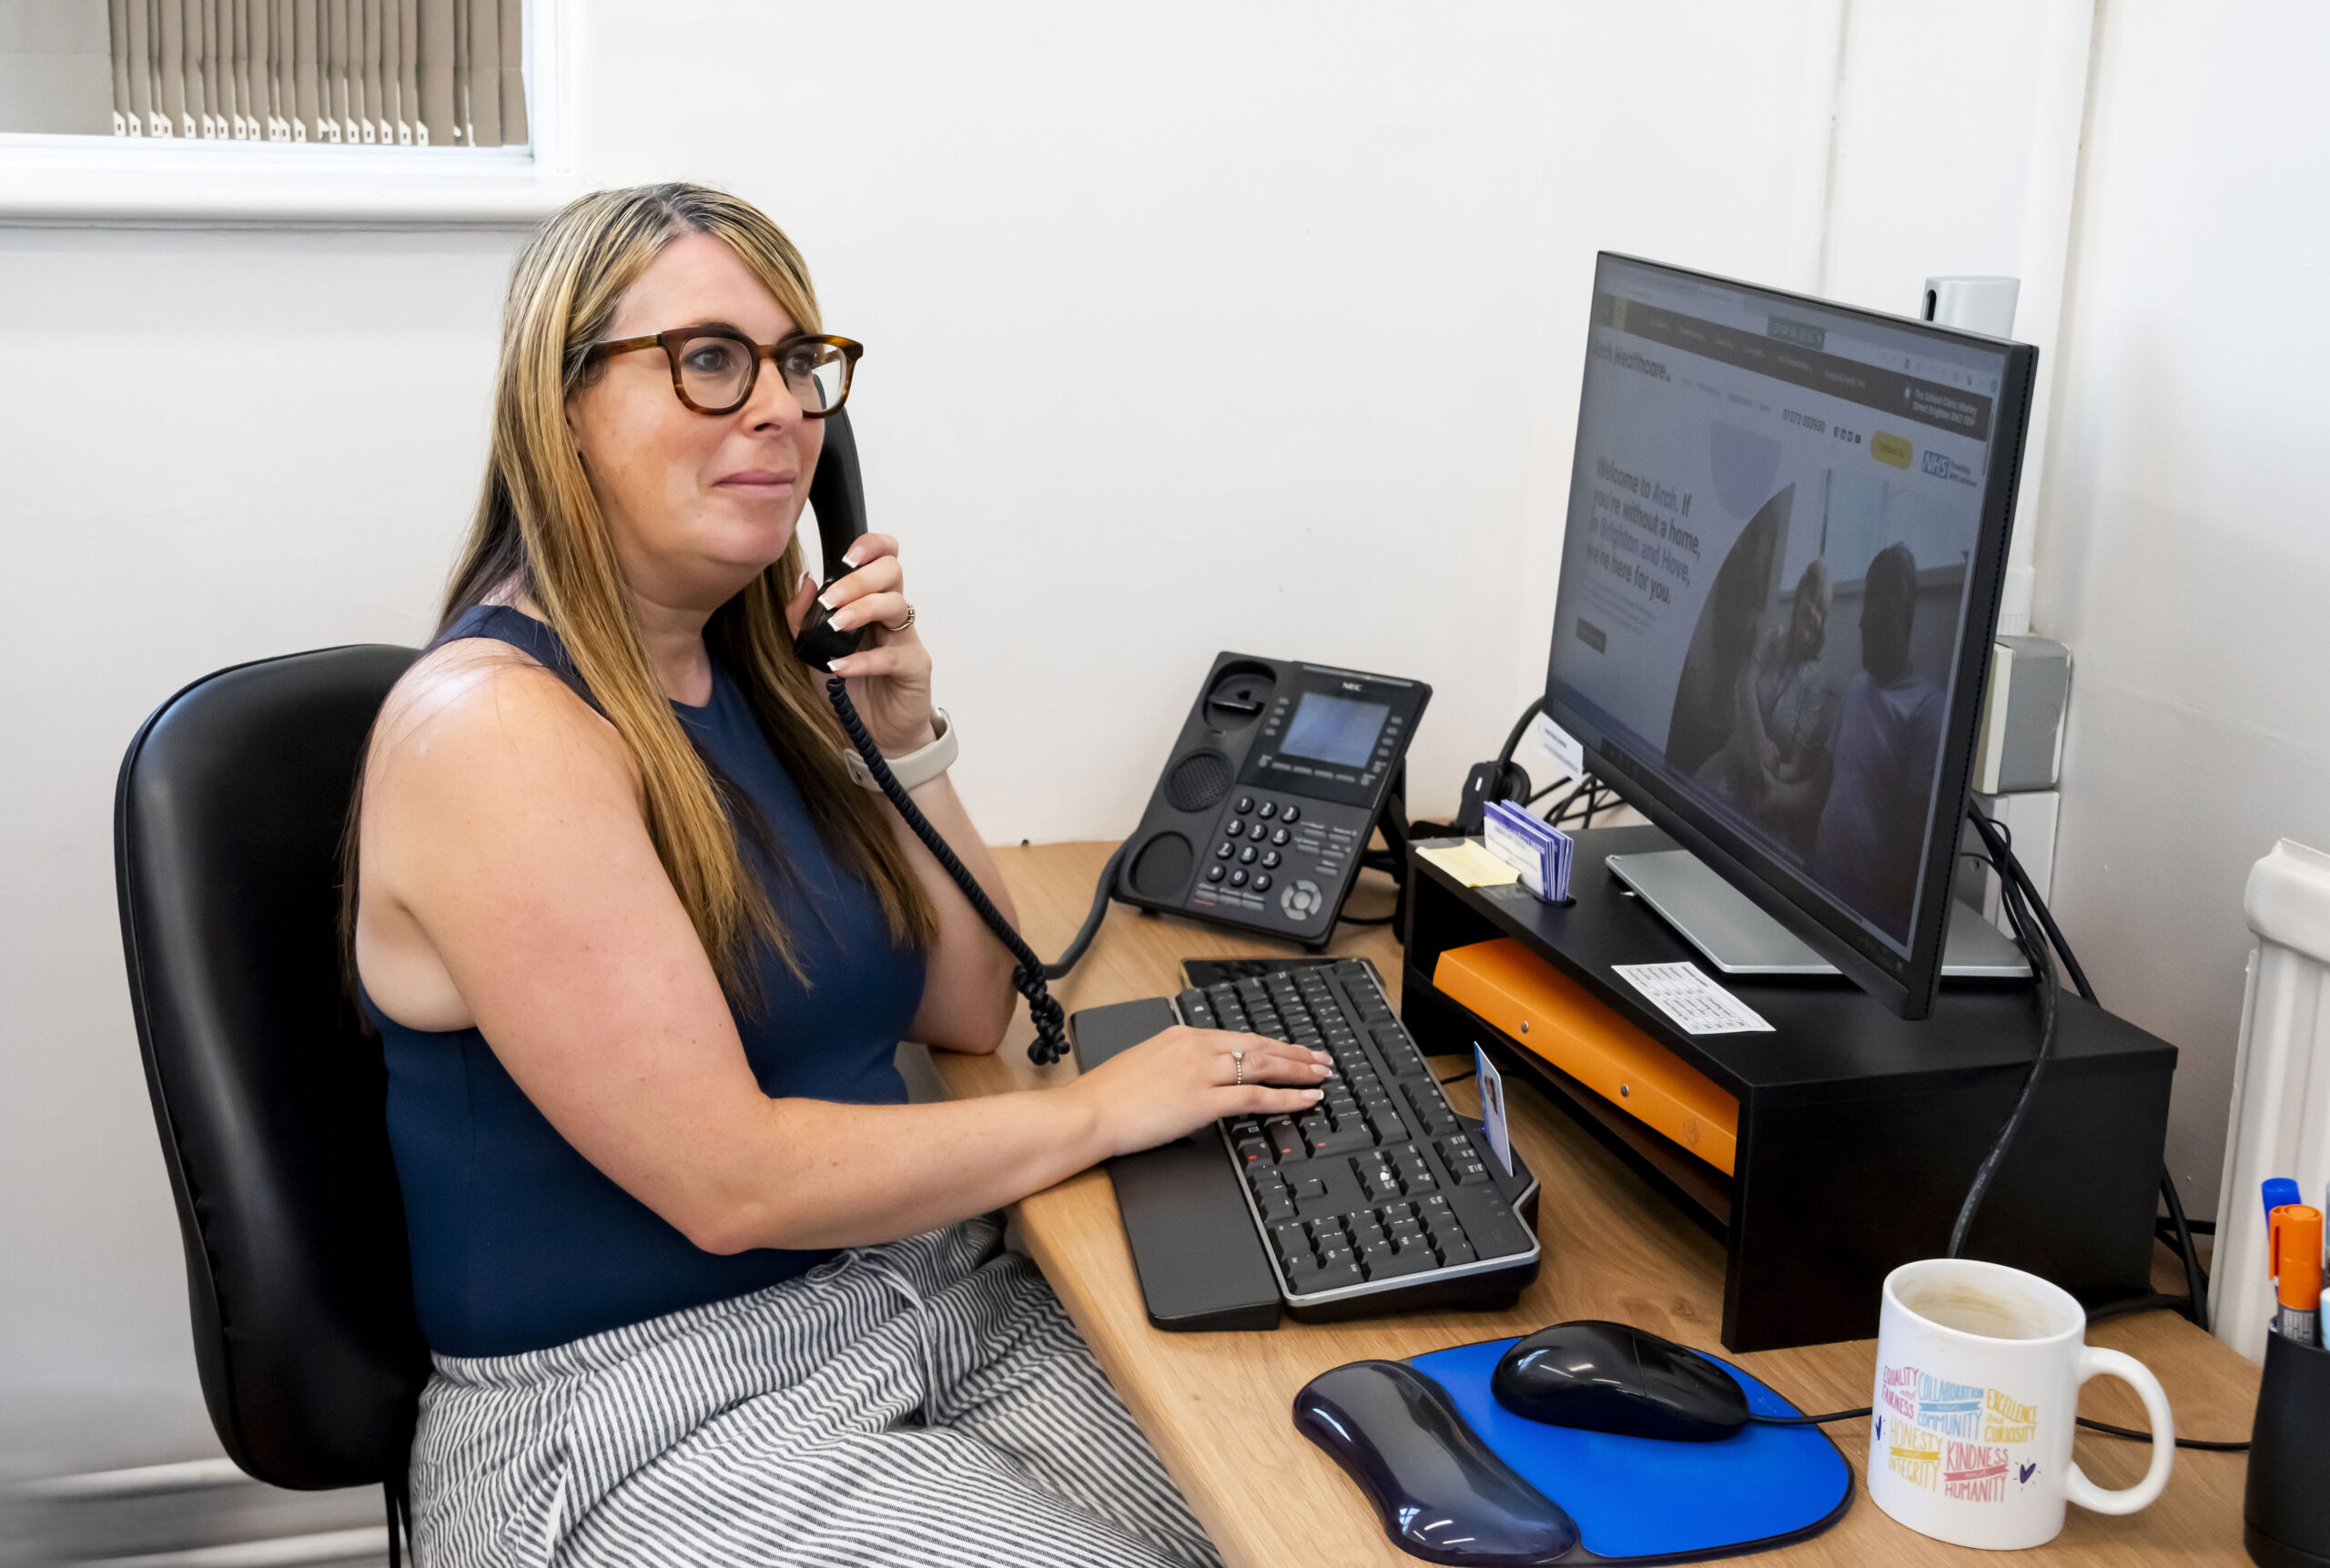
[(1381, 1197)]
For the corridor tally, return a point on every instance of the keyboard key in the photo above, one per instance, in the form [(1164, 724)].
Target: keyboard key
[(1290, 1239), (1418, 1259), (1454, 1251), (1380, 1180), (1311, 1190), (1333, 1278), (1348, 1139), (1399, 1054), (1285, 1141), (1276, 1207)]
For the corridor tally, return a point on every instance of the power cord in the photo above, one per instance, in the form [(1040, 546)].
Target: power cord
[(2104, 1427), (1051, 1043), (1998, 844), (2043, 969)]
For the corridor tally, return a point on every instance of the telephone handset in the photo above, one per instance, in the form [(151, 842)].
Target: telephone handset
[(838, 495), (838, 492)]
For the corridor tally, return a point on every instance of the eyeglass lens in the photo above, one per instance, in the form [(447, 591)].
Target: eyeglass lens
[(717, 373)]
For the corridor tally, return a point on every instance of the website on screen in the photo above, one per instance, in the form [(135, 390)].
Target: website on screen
[(1770, 528)]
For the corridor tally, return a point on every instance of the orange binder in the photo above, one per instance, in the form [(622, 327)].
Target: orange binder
[(1549, 1015)]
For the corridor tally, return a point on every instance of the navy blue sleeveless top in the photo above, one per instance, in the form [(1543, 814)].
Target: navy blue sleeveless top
[(519, 1242)]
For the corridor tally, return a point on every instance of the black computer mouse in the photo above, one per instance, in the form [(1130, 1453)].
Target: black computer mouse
[(1611, 1377), (1441, 1492)]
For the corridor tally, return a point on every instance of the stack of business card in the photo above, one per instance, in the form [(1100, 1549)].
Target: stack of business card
[(1538, 850)]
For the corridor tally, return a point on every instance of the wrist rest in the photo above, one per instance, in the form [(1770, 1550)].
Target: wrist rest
[(1453, 1477), (1200, 1263)]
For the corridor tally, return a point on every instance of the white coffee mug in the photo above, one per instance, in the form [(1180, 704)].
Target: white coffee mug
[(1978, 1374)]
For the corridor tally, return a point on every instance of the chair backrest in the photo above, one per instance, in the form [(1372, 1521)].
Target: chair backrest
[(269, 1094)]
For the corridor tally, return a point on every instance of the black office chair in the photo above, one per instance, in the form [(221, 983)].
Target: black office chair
[(268, 1095)]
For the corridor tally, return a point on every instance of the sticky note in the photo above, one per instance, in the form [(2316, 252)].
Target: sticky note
[(1470, 863)]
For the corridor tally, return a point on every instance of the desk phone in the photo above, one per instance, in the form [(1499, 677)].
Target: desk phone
[(1269, 795)]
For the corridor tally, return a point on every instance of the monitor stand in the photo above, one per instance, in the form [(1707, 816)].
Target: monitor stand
[(1739, 938)]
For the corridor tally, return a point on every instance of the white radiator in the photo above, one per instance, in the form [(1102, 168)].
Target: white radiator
[(2280, 1083)]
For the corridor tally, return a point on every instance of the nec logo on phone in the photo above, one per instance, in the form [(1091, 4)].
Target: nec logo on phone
[(1351, 686)]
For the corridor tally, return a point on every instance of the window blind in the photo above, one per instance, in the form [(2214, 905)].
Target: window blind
[(391, 73)]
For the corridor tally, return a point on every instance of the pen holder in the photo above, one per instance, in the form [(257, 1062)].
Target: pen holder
[(2285, 1518)]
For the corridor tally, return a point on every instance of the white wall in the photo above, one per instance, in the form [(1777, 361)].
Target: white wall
[(1217, 327), (2184, 554)]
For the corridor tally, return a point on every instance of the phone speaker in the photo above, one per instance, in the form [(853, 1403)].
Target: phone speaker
[(1162, 867), (1199, 781)]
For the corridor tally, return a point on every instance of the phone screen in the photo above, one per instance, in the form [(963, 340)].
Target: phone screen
[(1335, 730)]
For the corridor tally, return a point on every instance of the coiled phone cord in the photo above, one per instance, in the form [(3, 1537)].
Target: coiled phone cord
[(1051, 1043)]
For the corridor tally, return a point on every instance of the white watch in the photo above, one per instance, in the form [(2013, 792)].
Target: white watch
[(915, 768)]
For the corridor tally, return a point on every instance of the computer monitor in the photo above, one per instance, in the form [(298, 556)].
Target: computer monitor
[(1787, 535)]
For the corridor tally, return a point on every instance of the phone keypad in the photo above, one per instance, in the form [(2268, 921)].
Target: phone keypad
[(1273, 862)]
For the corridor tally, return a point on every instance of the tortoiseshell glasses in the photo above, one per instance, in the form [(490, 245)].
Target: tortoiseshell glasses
[(714, 368)]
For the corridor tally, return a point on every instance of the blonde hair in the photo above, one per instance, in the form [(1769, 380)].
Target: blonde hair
[(539, 528)]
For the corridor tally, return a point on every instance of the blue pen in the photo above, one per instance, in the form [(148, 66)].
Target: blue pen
[(2280, 1192)]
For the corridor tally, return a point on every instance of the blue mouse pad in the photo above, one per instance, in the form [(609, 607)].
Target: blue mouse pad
[(1638, 1497)]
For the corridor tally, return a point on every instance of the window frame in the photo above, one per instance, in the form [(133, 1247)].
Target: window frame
[(135, 182)]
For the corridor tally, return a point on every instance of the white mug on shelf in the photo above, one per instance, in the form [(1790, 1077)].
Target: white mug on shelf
[(1978, 1374)]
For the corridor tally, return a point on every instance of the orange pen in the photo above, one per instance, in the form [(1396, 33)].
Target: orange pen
[(2293, 1241)]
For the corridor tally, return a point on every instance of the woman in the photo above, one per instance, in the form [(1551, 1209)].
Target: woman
[(698, 1283)]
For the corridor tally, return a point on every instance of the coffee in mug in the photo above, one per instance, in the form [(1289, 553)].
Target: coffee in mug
[(1979, 1368)]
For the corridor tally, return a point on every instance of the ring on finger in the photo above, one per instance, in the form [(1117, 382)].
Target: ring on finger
[(902, 624), (1238, 1063)]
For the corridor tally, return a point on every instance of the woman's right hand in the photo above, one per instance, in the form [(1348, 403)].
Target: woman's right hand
[(1183, 1079)]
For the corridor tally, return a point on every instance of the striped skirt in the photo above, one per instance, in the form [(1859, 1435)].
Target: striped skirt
[(922, 1402)]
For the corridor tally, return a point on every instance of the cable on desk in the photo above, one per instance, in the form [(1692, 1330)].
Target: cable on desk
[(2104, 1427), (2135, 1436), (1102, 894), (1808, 1420)]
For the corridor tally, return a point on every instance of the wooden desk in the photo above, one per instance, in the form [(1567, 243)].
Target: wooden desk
[(1216, 1406)]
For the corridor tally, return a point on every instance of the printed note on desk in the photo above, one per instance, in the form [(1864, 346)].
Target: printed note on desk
[(1697, 1004)]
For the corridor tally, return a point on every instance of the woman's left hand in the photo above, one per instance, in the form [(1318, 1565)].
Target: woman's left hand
[(889, 675)]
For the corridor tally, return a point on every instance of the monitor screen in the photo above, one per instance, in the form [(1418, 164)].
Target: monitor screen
[(1785, 524)]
